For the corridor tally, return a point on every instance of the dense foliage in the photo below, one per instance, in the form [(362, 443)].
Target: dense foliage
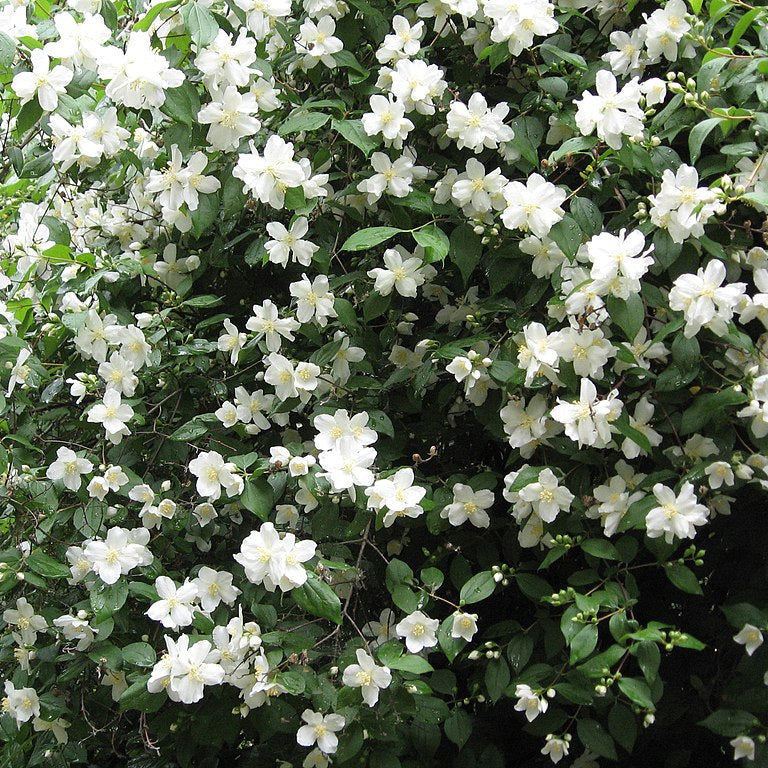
[(384, 383)]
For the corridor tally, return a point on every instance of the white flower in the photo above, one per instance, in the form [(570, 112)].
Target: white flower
[(387, 118), (251, 407), (416, 85), (112, 415), (348, 464), (664, 29), (191, 669), (675, 515), (68, 468), (419, 631), (368, 676), (20, 703), (612, 113), (120, 552), (704, 300), (395, 177), (317, 43), (529, 702), (178, 184), (137, 77), (397, 492), (468, 505), (533, 206), (76, 629), (382, 630), (267, 323), (230, 117), (267, 176), (331, 428), (618, 262), (641, 422), (405, 40), (719, 472), (404, 275), (477, 127), (20, 371), (45, 83), (478, 192), (224, 62), (26, 621), (289, 243), (614, 500), (321, 730), (750, 637), (313, 300), (546, 497), (281, 375), (588, 420), (274, 561), (518, 23), (464, 626), (743, 747), (79, 45), (175, 608), (213, 473), (555, 748), (118, 375), (681, 206)]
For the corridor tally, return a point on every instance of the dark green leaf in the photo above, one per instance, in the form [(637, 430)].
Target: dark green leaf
[(317, 598)]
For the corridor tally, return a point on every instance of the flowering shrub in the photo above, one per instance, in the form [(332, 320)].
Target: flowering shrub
[(376, 374)]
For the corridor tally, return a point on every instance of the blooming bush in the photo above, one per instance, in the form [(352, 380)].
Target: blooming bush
[(379, 374)]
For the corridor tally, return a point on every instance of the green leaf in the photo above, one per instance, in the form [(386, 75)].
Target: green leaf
[(628, 314), (465, 251), (622, 726), (683, 578), (567, 234), (707, 406), (410, 663), (636, 691), (367, 238), (635, 435), (306, 121), (497, 678), (698, 133), (258, 497), (595, 738), (551, 54), (145, 21), (478, 588), (38, 166), (434, 242), (206, 213), (7, 50), (139, 654), (587, 215), (379, 421), (649, 659), (375, 306), (136, 696), (200, 24), (317, 598), (353, 132), (601, 548), (449, 645), (458, 727), (203, 301), (519, 651), (182, 104), (583, 643), (108, 598), (729, 722), (189, 431), (46, 566)]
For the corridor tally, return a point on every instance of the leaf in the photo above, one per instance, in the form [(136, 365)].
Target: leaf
[(583, 643), (206, 213), (416, 665), (46, 566), (200, 24), (698, 133), (375, 306), (379, 421), (587, 215), (622, 726), (567, 234), (434, 242), (353, 132), (683, 578), (636, 691), (108, 598), (601, 548), (707, 406), (136, 696), (189, 431), (182, 104), (595, 738), (551, 53), (465, 250), (478, 588), (145, 21), (7, 50), (519, 651), (307, 121), (729, 722), (367, 238), (458, 727), (628, 314), (449, 645), (258, 497), (139, 654), (497, 678), (37, 166), (317, 598), (203, 301), (635, 435)]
